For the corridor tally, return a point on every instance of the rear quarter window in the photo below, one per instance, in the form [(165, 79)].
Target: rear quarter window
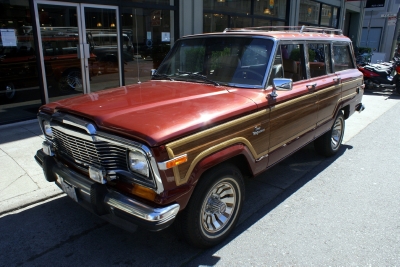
[(342, 57)]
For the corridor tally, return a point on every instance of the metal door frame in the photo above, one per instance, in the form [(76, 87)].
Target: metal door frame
[(80, 13)]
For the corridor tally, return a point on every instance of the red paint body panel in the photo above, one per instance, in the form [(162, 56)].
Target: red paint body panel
[(158, 111)]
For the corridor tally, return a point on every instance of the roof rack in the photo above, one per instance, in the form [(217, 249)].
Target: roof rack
[(300, 29)]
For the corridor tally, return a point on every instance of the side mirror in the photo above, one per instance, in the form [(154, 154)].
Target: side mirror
[(281, 84), (152, 72)]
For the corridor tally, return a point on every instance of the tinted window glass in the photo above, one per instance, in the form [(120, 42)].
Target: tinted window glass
[(226, 60), (342, 59), (316, 54)]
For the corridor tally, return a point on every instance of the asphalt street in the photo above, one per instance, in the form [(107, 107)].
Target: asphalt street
[(305, 211)]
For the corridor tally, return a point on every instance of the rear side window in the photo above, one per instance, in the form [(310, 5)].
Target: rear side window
[(342, 59), (317, 59)]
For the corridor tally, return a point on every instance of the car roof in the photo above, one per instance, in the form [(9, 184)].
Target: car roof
[(284, 33)]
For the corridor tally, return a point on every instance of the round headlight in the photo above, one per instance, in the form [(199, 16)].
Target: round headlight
[(138, 163), (47, 129)]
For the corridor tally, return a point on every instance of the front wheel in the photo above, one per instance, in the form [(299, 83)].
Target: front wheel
[(329, 143), (214, 207)]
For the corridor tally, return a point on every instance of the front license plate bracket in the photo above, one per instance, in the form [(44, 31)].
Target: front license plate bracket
[(69, 189)]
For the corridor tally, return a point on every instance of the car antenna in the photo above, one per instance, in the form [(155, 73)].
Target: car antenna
[(137, 49)]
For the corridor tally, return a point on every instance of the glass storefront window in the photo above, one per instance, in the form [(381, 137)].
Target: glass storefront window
[(239, 22), (236, 6), (271, 8), (214, 22), (265, 22), (157, 2), (334, 17), (326, 15), (59, 37), (19, 83), (152, 35), (265, 13), (309, 12)]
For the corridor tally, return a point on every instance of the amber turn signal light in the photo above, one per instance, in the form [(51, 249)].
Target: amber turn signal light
[(173, 162), (143, 192)]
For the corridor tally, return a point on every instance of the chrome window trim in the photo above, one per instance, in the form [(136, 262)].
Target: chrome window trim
[(102, 136)]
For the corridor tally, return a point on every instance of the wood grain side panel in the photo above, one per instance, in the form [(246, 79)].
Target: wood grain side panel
[(289, 120), (251, 130), (328, 100)]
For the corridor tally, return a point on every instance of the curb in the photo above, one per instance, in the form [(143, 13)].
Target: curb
[(22, 201)]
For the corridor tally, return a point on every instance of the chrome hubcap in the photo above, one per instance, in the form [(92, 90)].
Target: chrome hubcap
[(337, 134), (73, 80), (218, 207)]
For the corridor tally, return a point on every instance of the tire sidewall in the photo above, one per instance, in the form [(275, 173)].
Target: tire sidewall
[(228, 226), (341, 118), (191, 218)]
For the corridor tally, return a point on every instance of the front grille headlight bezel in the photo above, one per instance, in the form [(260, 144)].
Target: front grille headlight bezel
[(138, 163), (62, 122), (47, 131)]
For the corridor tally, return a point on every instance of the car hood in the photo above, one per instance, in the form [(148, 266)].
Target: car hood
[(157, 111)]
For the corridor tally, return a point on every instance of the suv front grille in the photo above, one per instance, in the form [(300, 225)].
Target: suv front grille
[(94, 153)]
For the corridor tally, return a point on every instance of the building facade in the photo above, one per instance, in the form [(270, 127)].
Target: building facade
[(379, 28), (51, 50)]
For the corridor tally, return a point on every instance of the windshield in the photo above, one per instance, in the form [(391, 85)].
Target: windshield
[(235, 61)]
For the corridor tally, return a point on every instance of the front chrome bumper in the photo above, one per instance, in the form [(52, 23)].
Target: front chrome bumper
[(119, 209)]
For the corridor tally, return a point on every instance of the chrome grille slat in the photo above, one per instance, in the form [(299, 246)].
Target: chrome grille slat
[(100, 153)]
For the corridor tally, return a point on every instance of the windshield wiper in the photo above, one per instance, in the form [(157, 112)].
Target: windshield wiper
[(199, 76), (161, 77)]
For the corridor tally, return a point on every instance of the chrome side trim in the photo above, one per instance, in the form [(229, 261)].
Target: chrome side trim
[(138, 209)]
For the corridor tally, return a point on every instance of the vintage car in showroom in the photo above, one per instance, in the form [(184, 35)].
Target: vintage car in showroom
[(221, 108)]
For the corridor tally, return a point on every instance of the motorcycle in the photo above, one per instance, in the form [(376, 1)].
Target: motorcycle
[(382, 74)]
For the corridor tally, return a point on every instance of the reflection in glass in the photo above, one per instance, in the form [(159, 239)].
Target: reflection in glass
[(19, 81), (151, 34), (214, 22), (326, 15), (309, 12), (236, 6), (102, 37), (234, 61), (239, 22), (271, 8), (264, 22), (59, 37)]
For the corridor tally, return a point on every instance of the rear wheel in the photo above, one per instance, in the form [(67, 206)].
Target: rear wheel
[(329, 143), (214, 207)]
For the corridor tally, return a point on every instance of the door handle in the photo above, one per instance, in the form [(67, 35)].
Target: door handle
[(337, 80), (311, 86)]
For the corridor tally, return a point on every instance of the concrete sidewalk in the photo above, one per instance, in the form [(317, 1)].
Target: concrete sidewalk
[(22, 181)]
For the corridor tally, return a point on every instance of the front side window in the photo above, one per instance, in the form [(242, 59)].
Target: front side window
[(342, 58), (233, 61)]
